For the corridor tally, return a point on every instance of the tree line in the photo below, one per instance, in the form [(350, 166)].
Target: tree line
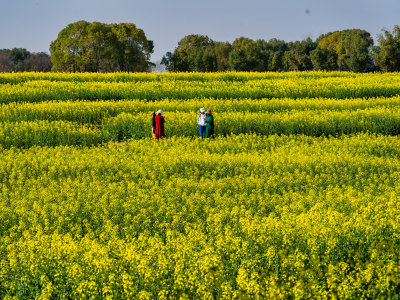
[(86, 47), (347, 50), (20, 60), (97, 47)]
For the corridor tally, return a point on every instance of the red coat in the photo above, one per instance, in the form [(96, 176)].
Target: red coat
[(160, 127)]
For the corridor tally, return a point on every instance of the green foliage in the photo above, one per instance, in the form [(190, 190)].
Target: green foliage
[(132, 49), (245, 56), (298, 55), (20, 59), (94, 47), (348, 50), (194, 53), (18, 55), (324, 59), (276, 49), (222, 51), (355, 50), (352, 47), (387, 56)]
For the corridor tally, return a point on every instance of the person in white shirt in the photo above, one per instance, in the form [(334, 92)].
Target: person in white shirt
[(201, 121)]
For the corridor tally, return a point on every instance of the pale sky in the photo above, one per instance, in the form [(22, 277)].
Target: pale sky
[(33, 24)]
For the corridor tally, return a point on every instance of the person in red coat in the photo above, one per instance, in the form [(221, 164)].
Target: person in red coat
[(159, 125)]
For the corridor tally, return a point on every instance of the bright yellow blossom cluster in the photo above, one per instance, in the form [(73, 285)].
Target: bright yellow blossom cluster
[(276, 216), (296, 197), (34, 87), (94, 122)]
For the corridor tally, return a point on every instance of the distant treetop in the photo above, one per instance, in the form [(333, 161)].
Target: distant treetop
[(96, 47)]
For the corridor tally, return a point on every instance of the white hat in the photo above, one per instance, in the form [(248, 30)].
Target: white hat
[(159, 112), (202, 110)]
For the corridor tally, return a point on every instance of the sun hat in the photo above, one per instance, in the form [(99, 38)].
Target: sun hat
[(160, 112), (202, 110)]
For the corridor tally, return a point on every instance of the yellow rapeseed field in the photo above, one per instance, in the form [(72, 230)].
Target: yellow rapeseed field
[(296, 197)]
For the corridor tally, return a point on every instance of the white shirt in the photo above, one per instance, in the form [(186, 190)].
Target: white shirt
[(201, 120)]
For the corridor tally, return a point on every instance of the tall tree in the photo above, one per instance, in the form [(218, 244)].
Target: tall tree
[(68, 50), (38, 62), (222, 51), (208, 59), (14, 60), (167, 61), (356, 44), (94, 47), (298, 55), (353, 47), (196, 53), (271, 53), (387, 54), (131, 48), (276, 61), (245, 56), (99, 46), (324, 59), (18, 55), (330, 41), (5, 60)]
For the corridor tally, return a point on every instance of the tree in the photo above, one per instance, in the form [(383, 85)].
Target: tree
[(276, 61), (222, 51), (5, 60), (194, 53), (167, 61), (330, 41), (208, 60), (38, 62), (387, 55), (99, 44), (356, 44), (324, 59), (5, 63), (298, 55), (69, 47), (20, 59), (238, 60), (271, 53), (344, 50), (245, 56), (175, 62), (18, 55), (131, 48), (98, 47), (352, 47)]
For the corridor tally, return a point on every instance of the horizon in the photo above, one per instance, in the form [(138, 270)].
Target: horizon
[(35, 24)]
